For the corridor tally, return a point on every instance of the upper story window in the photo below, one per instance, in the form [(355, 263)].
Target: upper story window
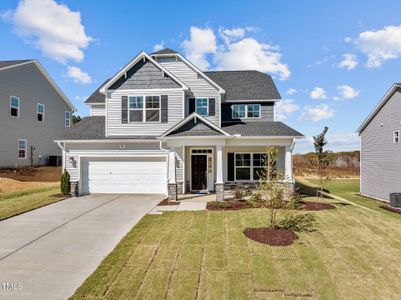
[(152, 109), (135, 108), (396, 136), (22, 147), (67, 119), (140, 111), (201, 106), (244, 111), (14, 106), (40, 112)]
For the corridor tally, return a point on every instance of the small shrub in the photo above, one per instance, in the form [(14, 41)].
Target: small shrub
[(255, 199), (239, 194), (220, 204), (65, 183), (298, 222)]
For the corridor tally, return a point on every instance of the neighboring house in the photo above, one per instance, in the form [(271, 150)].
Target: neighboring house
[(161, 125), (34, 112), (381, 147)]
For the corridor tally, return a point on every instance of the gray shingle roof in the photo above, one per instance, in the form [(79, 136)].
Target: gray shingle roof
[(9, 63), (93, 128), (245, 85), (96, 96), (260, 129), (165, 51), (192, 128)]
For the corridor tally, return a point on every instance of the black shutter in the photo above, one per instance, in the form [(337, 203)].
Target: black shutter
[(164, 109), (212, 107), (124, 109), (191, 105), (230, 166)]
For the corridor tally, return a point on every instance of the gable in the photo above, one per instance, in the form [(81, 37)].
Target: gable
[(195, 127), (144, 75)]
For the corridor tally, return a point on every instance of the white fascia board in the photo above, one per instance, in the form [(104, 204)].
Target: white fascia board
[(108, 141), (17, 65), (241, 101), (132, 63), (95, 104), (267, 137)]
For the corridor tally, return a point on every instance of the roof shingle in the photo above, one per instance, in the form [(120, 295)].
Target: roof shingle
[(9, 63), (260, 129)]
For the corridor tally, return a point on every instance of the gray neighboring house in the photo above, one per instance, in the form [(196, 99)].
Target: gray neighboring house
[(33, 112), (161, 125), (381, 147)]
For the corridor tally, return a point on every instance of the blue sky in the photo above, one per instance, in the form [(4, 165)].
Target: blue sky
[(332, 61)]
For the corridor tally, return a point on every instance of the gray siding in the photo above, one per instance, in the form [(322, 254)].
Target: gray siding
[(98, 110), (198, 86), (28, 83), (380, 157), (266, 110)]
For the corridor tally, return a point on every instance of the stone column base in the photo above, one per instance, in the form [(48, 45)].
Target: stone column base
[(219, 187), (172, 192), (74, 188)]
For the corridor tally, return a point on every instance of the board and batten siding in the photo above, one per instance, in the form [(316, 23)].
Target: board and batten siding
[(199, 87), (380, 156), (98, 110), (115, 127)]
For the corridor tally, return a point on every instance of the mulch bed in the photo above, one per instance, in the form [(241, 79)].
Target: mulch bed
[(315, 206), (271, 236), (397, 211), (227, 205), (167, 202)]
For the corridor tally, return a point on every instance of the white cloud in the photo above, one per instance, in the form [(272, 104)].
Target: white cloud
[(230, 35), (349, 61), (347, 39), (81, 98), (78, 75), (291, 91), (380, 45), (284, 108), (51, 27), (158, 47), (317, 113), (201, 43), (347, 92), (318, 93)]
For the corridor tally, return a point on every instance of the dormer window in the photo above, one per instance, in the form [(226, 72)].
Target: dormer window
[(245, 111)]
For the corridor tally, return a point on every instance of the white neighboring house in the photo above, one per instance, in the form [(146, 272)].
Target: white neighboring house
[(162, 126), (381, 147)]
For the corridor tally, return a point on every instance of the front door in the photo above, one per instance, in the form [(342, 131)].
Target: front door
[(199, 172)]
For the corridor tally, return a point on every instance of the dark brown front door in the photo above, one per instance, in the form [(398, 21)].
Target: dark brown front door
[(199, 168)]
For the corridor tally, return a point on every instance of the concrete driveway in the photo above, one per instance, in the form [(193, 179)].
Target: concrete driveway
[(47, 253)]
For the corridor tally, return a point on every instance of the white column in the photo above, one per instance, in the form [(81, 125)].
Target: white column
[(219, 164), (288, 163), (171, 167)]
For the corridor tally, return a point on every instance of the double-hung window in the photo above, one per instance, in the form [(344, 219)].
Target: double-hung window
[(67, 119), (14, 106), (22, 148), (396, 137), (152, 113), (249, 166), (202, 106), (40, 112), (245, 111), (135, 108), (259, 161)]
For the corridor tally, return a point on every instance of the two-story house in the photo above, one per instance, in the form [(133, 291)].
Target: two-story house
[(161, 125), (33, 112)]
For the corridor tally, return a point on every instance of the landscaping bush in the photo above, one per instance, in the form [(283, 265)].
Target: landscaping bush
[(65, 183), (219, 204), (298, 222), (239, 194)]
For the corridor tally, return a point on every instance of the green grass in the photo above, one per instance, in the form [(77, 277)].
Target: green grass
[(353, 254), (15, 203)]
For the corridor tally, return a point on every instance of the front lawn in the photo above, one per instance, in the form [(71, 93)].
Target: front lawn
[(354, 254), (12, 204)]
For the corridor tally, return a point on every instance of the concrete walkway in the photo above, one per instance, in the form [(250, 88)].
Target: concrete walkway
[(48, 253)]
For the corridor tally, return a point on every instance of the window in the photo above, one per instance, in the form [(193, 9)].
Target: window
[(240, 111), (396, 136), (67, 119), (152, 109), (22, 146), (14, 106), (249, 166), (40, 112), (135, 107), (202, 107)]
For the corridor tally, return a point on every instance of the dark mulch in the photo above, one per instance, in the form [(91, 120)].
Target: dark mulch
[(271, 236), (389, 208), (315, 206), (167, 202), (227, 205), (60, 195)]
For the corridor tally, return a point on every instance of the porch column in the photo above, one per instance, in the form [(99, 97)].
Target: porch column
[(219, 174), (172, 185), (288, 163)]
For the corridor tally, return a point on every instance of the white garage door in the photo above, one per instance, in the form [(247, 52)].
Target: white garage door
[(137, 175)]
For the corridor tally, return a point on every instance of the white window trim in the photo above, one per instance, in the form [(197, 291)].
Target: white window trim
[(207, 105), (43, 113), (69, 118), (246, 111), (396, 135), (18, 108), (25, 149), (251, 167), (144, 109)]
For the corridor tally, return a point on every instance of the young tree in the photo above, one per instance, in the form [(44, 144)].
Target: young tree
[(65, 183), (321, 157), (76, 119)]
